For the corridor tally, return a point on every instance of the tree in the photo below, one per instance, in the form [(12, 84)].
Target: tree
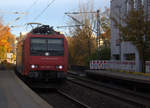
[(6, 41), (79, 49), (105, 53), (136, 29), (82, 44)]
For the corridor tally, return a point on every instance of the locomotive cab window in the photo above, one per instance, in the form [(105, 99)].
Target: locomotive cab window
[(52, 46), (38, 44)]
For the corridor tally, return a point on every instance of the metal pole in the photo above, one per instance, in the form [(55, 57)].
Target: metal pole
[(98, 30), (120, 33), (98, 39)]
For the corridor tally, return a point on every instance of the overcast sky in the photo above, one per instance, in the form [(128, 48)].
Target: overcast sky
[(54, 15)]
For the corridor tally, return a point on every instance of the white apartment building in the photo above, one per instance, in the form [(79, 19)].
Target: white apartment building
[(124, 50)]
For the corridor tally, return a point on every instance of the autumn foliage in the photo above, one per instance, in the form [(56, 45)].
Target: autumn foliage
[(6, 41), (81, 47)]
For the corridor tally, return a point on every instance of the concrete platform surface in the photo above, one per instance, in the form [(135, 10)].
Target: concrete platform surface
[(122, 75), (15, 94)]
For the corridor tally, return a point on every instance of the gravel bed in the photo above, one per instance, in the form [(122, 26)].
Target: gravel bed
[(92, 98), (58, 101)]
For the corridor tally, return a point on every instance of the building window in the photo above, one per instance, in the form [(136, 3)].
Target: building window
[(130, 56), (116, 56), (118, 41)]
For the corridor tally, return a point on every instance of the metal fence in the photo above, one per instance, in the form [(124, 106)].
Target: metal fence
[(117, 65)]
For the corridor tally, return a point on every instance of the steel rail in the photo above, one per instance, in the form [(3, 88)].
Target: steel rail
[(73, 99), (113, 87), (128, 95)]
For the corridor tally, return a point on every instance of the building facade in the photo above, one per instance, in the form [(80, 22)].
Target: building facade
[(121, 50)]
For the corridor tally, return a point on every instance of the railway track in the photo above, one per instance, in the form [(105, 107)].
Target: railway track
[(73, 99), (57, 95), (59, 99), (124, 95)]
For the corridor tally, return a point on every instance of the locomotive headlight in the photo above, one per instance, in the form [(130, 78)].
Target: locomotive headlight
[(32, 66), (60, 67)]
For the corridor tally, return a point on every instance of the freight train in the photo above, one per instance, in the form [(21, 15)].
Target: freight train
[(42, 54)]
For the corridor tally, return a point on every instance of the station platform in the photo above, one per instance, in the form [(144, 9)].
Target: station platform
[(15, 94), (121, 75)]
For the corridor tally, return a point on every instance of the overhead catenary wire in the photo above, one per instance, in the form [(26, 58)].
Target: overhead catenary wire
[(44, 10), (31, 6), (26, 13), (69, 26)]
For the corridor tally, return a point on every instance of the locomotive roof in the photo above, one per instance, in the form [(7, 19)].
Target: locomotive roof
[(44, 30)]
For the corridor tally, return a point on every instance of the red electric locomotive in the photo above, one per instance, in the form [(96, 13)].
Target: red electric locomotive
[(42, 54)]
